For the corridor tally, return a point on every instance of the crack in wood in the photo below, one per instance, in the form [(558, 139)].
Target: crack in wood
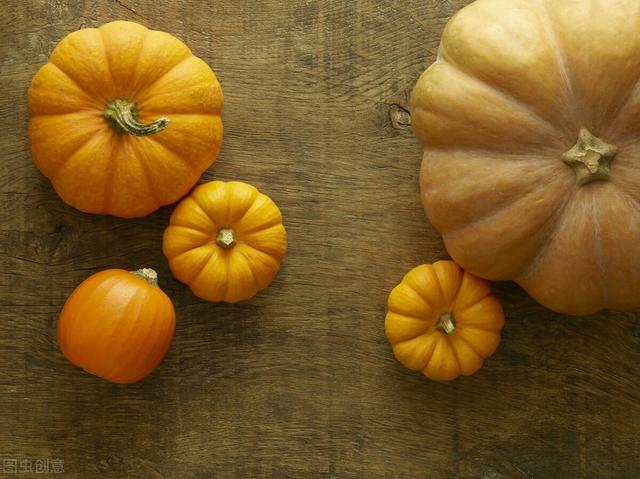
[(124, 5)]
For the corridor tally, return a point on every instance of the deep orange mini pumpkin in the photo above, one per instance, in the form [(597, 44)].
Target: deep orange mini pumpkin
[(443, 321), (117, 325), (124, 119), (226, 241)]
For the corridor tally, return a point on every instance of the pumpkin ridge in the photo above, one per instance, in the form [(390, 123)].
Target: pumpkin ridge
[(623, 108), (455, 295), (143, 92), (543, 155), (110, 174), (460, 230), (53, 175), (136, 92), (628, 198), (559, 216), (418, 291), (432, 347), (96, 296), (225, 283), (518, 105), (454, 353), (250, 245), (159, 140), (116, 358), (601, 268), (256, 285), (463, 325), (470, 346), (432, 350), (206, 213), (560, 54), (206, 238), (176, 222), (160, 338), (228, 194), (468, 307), (89, 98), (106, 56), (276, 221), (147, 337), (203, 263), (141, 158), (431, 322), (155, 139), (215, 111), (255, 194)]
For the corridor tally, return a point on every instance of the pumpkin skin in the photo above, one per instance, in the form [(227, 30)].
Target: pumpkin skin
[(225, 241), (443, 321), (530, 131), (124, 119), (117, 325)]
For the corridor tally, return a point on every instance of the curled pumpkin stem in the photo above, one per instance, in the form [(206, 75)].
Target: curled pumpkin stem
[(122, 114)]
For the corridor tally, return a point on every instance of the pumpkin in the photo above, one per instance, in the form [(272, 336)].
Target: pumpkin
[(117, 325), (443, 321), (123, 119), (529, 120), (225, 241)]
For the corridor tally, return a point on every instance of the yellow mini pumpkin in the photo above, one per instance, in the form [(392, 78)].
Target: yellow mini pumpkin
[(443, 321), (225, 241), (124, 119)]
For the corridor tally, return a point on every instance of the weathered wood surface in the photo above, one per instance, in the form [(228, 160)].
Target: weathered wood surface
[(300, 381)]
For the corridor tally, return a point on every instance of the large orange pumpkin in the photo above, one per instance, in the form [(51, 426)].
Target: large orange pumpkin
[(530, 124), (117, 325), (225, 241), (124, 119)]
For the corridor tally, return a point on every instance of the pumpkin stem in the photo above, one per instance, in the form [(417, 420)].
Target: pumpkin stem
[(148, 275), (446, 324), (590, 158), (122, 115), (226, 238)]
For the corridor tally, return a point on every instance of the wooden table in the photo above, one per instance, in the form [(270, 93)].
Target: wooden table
[(299, 382)]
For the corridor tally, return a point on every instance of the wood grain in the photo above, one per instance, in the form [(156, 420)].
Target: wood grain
[(298, 382)]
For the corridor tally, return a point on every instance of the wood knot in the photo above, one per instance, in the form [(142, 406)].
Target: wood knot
[(399, 116)]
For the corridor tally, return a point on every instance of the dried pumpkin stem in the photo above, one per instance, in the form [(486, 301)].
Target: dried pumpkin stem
[(226, 238), (590, 158), (122, 115), (446, 324), (147, 274)]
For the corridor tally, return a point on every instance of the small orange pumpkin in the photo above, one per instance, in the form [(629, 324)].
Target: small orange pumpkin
[(443, 321), (117, 325), (225, 241), (124, 119)]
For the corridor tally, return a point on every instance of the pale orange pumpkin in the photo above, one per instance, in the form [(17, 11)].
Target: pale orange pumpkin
[(117, 325), (530, 124), (124, 119), (443, 321), (225, 241)]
